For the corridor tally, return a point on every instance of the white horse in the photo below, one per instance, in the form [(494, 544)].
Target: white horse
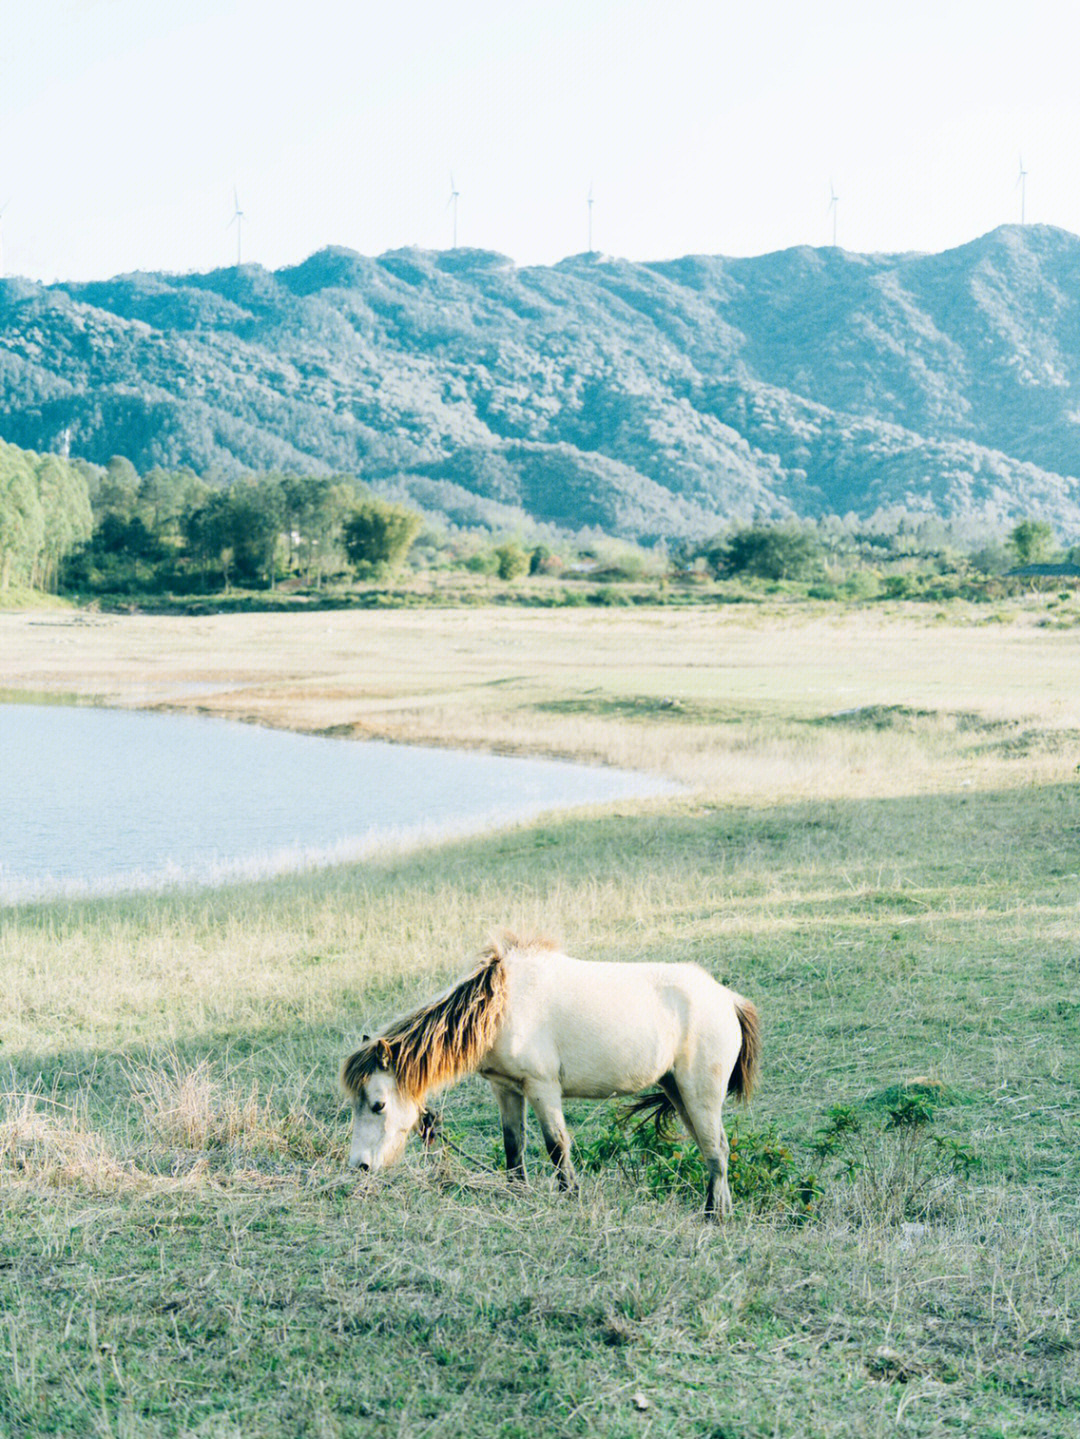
[(540, 1026)]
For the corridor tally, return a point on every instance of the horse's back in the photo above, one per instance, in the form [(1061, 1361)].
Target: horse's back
[(602, 1027)]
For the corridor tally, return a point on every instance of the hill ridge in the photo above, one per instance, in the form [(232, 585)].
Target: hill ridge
[(662, 397)]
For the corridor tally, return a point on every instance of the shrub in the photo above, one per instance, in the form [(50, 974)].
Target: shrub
[(543, 562), (1032, 541), (762, 1171), (772, 552), (900, 587), (484, 562), (863, 585), (511, 561)]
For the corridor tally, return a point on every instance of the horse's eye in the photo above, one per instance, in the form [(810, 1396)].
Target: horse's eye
[(379, 1107)]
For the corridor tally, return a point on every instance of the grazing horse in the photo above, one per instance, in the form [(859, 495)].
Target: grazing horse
[(539, 1026)]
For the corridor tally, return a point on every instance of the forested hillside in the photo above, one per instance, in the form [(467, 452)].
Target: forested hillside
[(644, 399)]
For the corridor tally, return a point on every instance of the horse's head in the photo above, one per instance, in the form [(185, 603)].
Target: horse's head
[(384, 1115)]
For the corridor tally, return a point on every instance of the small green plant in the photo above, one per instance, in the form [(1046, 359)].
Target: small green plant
[(897, 1167), (912, 1110), (841, 1122), (958, 1156)]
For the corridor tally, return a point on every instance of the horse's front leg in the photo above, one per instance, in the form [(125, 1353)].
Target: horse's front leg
[(511, 1104), (546, 1100)]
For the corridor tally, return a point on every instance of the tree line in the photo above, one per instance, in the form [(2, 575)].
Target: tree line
[(809, 551), (44, 515), (89, 529), (175, 530)]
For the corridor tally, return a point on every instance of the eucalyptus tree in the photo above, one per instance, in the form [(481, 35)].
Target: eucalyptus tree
[(165, 497), (22, 520), (118, 490), (44, 514), (255, 517), (315, 510), (208, 536), (65, 507)]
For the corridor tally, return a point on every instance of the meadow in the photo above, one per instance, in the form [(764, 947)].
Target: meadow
[(879, 842)]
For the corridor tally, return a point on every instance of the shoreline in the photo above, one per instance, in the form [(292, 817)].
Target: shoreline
[(234, 808)]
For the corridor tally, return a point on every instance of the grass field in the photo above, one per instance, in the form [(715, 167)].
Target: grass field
[(880, 843)]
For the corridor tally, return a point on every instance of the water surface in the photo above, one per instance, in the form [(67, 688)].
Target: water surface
[(93, 800)]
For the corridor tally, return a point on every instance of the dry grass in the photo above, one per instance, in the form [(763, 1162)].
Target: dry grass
[(52, 1144), (190, 1108)]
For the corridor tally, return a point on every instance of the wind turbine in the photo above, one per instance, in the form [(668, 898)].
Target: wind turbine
[(237, 220), (590, 217), (834, 208), (3, 211), (1021, 182), (454, 192)]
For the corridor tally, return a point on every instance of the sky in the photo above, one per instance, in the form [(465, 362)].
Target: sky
[(719, 128)]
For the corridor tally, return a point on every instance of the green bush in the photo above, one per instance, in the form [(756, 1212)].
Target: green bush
[(609, 595), (543, 562), (484, 562), (511, 561), (863, 585), (377, 535), (762, 1171), (900, 587), (772, 552), (1032, 541)]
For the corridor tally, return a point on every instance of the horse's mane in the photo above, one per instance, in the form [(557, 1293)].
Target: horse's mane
[(448, 1036)]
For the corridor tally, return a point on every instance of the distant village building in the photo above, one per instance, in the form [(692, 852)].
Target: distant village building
[(1064, 571)]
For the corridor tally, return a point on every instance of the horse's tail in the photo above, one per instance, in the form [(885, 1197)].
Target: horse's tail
[(655, 1106), (744, 1075)]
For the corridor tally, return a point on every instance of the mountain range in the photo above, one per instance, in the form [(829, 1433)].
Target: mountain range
[(665, 398)]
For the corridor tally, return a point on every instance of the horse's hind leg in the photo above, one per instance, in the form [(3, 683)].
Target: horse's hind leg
[(703, 1109), (718, 1178), (546, 1100), (668, 1084), (511, 1104)]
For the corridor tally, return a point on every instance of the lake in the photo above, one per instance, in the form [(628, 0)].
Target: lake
[(97, 800)]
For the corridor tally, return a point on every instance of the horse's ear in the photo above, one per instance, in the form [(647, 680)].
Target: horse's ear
[(382, 1054), (365, 1039)]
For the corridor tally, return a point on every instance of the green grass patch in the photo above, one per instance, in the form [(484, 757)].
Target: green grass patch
[(643, 708)]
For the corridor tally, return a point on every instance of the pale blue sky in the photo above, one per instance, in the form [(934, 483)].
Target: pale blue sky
[(711, 128)]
